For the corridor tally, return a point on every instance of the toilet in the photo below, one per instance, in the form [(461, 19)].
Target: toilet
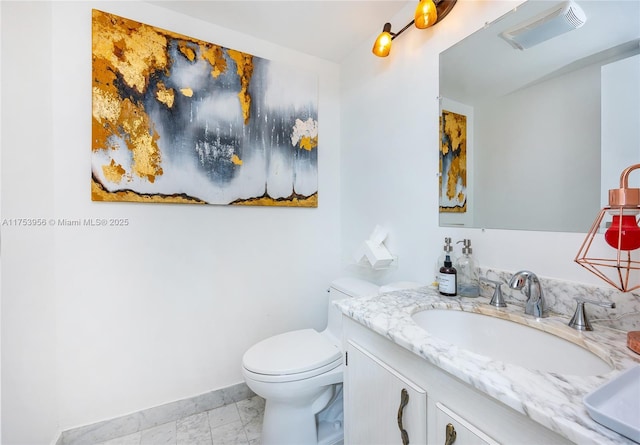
[(299, 374)]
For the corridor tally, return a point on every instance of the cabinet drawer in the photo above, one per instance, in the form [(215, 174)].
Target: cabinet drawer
[(465, 433)]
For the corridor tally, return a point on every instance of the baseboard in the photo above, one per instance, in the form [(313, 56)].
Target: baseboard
[(148, 418)]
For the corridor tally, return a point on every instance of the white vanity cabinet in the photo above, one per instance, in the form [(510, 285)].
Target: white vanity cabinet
[(377, 370), (451, 428), (383, 406)]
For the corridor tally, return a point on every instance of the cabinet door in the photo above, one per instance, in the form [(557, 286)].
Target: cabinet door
[(453, 429), (380, 403)]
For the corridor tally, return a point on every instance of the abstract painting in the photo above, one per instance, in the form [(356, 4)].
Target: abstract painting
[(453, 162), (177, 119)]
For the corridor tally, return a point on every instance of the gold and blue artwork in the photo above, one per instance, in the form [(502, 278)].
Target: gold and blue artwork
[(177, 119), (453, 162)]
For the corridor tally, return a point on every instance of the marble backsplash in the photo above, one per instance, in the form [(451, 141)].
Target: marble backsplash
[(560, 297)]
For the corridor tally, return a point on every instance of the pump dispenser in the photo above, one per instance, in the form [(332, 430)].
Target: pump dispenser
[(468, 279), (448, 279), (446, 251)]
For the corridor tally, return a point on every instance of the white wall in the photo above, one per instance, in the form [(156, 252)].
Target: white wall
[(29, 401), (390, 157), (98, 322)]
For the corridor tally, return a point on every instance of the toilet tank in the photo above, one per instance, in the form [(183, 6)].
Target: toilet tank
[(345, 288)]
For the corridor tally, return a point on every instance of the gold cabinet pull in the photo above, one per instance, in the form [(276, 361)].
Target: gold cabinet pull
[(450, 434), (404, 399)]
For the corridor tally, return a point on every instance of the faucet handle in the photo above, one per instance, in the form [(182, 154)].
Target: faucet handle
[(497, 299), (579, 320)]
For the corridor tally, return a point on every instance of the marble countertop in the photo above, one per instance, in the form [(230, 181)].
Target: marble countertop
[(552, 400)]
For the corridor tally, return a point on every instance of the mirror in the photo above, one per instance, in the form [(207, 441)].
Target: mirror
[(537, 119)]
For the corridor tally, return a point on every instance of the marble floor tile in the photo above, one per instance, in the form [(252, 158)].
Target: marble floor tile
[(194, 430), (223, 415), (230, 434), (251, 412), (237, 423)]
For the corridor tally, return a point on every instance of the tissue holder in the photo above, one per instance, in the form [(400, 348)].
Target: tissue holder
[(377, 254)]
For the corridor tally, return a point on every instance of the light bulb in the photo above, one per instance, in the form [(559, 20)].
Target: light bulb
[(426, 14), (624, 228), (382, 46)]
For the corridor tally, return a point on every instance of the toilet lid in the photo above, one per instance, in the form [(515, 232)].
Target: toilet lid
[(290, 353)]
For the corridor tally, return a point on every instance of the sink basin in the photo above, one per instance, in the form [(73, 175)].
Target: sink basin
[(510, 342)]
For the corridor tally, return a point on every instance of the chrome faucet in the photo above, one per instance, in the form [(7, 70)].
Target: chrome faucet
[(528, 282), (497, 300), (579, 320)]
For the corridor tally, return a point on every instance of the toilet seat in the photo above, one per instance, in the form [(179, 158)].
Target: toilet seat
[(290, 356)]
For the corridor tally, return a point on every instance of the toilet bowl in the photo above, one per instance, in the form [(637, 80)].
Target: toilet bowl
[(299, 374)]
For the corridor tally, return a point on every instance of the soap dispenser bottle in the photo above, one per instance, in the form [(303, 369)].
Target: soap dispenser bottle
[(446, 251), (468, 279), (448, 278)]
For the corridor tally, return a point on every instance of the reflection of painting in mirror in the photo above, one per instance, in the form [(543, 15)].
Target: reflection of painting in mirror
[(177, 119), (453, 162)]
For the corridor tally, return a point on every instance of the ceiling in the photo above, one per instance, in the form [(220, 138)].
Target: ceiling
[(328, 29)]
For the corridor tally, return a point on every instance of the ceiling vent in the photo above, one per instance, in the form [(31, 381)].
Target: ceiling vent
[(563, 18)]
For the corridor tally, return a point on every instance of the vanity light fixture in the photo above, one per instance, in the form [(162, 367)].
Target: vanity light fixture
[(428, 13), (622, 268)]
